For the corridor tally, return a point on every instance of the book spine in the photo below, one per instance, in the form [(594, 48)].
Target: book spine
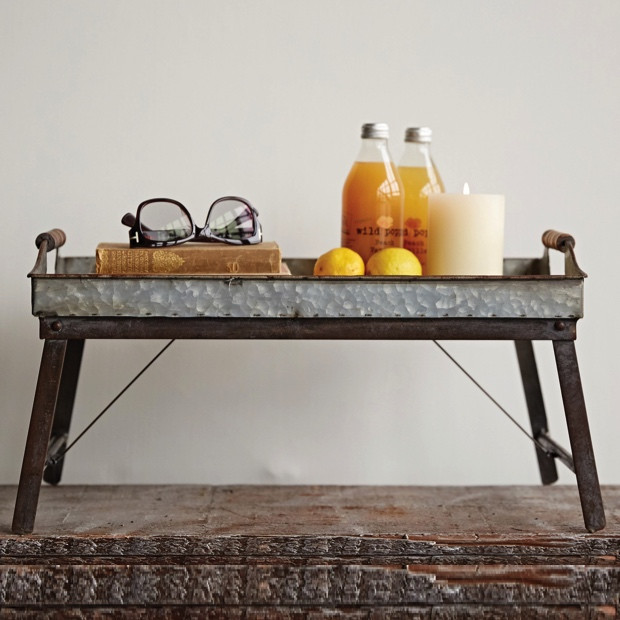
[(123, 261)]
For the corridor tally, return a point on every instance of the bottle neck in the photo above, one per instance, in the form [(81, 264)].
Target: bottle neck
[(417, 154), (374, 150)]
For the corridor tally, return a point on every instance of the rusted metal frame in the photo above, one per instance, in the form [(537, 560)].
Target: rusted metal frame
[(310, 328), (64, 409), (62, 329), (535, 407), (41, 420), (555, 450), (579, 434)]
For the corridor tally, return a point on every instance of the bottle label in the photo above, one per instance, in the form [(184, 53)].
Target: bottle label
[(416, 239), (377, 231), (366, 238)]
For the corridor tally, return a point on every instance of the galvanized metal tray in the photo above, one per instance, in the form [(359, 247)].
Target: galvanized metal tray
[(526, 290)]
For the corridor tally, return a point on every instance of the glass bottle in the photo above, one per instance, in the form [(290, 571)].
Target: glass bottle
[(372, 197), (420, 178)]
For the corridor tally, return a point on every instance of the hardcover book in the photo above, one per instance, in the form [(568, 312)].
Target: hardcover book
[(189, 258)]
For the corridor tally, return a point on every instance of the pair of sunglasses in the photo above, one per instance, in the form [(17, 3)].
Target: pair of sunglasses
[(161, 222)]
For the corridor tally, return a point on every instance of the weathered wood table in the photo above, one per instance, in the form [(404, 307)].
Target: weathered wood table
[(310, 551), (525, 304)]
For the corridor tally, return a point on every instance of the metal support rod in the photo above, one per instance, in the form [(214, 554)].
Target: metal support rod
[(57, 445), (535, 407), (64, 409), (579, 434), (39, 431), (555, 450), (55, 459)]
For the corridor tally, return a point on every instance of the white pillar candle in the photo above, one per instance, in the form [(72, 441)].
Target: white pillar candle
[(465, 234)]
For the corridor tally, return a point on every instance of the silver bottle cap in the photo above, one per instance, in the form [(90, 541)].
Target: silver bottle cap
[(418, 134), (376, 130)]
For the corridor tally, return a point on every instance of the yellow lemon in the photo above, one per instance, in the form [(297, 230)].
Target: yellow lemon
[(339, 262), (393, 262)]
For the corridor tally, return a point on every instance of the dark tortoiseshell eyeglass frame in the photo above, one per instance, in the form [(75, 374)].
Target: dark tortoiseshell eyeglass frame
[(162, 222)]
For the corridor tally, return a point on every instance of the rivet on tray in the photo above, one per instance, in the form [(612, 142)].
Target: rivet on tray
[(56, 326), (560, 326)]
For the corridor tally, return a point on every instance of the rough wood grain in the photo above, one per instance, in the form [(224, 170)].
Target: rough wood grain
[(293, 552), (467, 512), (442, 612)]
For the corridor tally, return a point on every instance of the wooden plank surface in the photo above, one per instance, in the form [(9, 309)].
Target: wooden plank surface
[(303, 551), (295, 510)]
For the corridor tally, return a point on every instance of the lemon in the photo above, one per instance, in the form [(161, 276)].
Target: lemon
[(339, 262), (393, 262)]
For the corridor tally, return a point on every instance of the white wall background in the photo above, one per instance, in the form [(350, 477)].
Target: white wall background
[(107, 103)]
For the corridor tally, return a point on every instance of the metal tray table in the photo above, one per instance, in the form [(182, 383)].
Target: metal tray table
[(525, 304)]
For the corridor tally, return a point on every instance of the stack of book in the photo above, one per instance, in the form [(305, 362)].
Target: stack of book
[(190, 259)]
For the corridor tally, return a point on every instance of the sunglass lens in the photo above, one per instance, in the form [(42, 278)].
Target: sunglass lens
[(232, 219), (165, 222)]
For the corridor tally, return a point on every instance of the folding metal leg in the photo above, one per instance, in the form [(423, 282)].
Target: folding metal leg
[(41, 420), (535, 406), (579, 434), (64, 408)]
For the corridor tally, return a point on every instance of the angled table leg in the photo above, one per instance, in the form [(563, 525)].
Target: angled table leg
[(64, 408), (39, 431), (535, 407), (579, 434)]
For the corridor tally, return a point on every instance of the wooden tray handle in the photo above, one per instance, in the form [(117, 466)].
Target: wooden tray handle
[(46, 242), (565, 243), (555, 240), (55, 238)]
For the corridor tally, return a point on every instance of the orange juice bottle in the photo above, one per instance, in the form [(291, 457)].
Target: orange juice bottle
[(420, 178), (372, 197)]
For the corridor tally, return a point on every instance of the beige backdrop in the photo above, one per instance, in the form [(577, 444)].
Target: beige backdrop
[(108, 103)]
